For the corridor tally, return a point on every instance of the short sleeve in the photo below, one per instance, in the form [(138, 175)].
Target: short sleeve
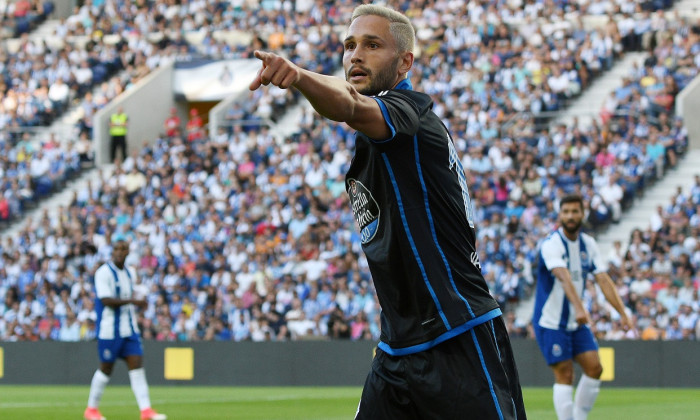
[(599, 264), (104, 283), (553, 253), (401, 113)]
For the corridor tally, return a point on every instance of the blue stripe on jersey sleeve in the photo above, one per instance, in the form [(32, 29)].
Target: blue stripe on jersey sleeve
[(454, 332), (411, 241), (387, 119), (432, 226)]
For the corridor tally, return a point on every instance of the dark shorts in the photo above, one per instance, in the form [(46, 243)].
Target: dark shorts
[(110, 350), (557, 345), (471, 376)]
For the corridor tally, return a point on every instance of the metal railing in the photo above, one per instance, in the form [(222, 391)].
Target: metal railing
[(545, 120)]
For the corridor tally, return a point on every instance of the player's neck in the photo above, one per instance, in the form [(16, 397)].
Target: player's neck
[(118, 265), (571, 236)]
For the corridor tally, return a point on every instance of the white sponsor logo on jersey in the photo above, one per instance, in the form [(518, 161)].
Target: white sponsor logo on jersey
[(364, 208), (475, 260)]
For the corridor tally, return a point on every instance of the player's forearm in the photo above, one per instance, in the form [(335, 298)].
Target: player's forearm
[(571, 294), (330, 96), (610, 293), (115, 303), (564, 278)]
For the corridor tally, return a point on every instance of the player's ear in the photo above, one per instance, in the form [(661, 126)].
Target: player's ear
[(406, 62)]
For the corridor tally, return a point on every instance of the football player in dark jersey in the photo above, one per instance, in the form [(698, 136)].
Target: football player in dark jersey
[(444, 352)]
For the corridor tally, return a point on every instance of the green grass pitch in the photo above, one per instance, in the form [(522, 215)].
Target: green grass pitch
[(306, 403)]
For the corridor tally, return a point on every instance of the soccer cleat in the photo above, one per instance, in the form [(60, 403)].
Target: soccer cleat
[(150, 414), (93, 414)]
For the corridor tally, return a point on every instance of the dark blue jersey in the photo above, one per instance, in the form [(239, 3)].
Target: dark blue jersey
[(410, 199)]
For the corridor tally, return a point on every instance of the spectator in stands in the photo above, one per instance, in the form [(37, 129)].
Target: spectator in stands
[(59, 94), (194, 129), (118, 127), (612, 195), (172, 124), (673, 331)]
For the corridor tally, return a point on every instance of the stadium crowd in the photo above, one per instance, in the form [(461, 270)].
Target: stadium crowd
[(22, 16), (106, 47), (103, 37), (245, 236), (657, 273)]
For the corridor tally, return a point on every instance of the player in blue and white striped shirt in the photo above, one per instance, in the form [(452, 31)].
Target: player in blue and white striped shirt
[(567, 258), (118, 334)]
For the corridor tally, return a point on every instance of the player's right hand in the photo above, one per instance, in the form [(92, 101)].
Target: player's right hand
[(276, 70), (143, 303)]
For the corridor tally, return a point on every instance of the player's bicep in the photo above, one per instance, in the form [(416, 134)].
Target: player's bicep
[(370, 119), (398, 113)]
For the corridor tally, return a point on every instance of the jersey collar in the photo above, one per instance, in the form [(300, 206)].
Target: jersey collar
[(405, 84), (566, 238)]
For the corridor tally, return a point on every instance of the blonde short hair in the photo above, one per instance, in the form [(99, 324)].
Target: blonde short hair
[(399, 25)]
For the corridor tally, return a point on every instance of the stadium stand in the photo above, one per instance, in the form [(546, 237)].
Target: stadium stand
[(22, 16), (658, 272), (249, 237)]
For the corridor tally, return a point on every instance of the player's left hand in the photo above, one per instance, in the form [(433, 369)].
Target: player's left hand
[(582, 317), (276, 70)]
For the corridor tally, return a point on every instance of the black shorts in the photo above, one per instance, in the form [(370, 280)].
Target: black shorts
[(471, 376)]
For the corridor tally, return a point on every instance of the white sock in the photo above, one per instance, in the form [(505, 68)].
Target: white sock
[(97, 387), (586, 393), (137, 377), (563, 402)]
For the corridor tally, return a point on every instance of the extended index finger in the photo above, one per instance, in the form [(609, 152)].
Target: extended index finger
[(257, 81), (263, 56)]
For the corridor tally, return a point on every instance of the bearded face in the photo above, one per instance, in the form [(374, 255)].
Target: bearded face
[(571, 217)]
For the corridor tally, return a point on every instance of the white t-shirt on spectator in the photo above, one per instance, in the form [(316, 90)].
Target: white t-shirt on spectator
[(59, 92), (611, 193), (559, 83), (656, 222), (83, 75), (39, 167)]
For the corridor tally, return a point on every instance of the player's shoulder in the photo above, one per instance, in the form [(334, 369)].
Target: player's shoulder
[(104, 270), (553, 239), (588, 239), (410, 97)]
